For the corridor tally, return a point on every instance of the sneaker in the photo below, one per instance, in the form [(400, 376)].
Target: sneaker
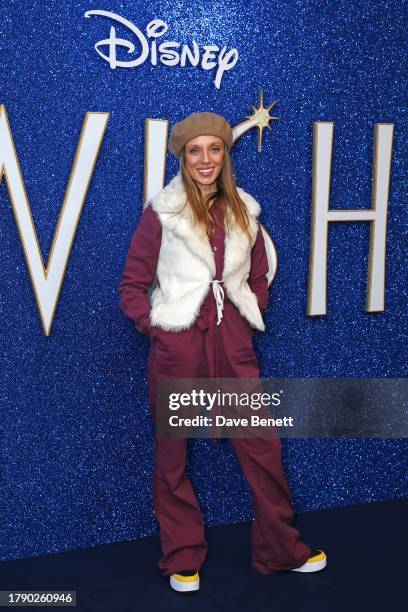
[(317, 561), (185, 581)]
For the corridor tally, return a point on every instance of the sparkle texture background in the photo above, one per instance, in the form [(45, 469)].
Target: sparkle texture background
[(76, 436)]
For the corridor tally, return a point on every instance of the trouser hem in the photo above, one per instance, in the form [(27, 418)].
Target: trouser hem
[(268, 569), (168, 572)]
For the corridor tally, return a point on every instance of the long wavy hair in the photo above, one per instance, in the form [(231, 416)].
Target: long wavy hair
[(231, 205)]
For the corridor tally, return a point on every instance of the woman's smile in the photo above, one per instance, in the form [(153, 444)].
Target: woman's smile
[(205, 171)]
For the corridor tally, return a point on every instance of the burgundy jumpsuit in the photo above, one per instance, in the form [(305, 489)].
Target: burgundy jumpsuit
[(228, 353)]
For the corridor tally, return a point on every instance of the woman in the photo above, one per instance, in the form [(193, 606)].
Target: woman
[(200, 233)]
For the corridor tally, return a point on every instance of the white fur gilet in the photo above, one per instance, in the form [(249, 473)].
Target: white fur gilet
[(186, 262)]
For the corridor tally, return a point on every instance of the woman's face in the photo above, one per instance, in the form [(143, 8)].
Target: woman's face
[(204, 159)]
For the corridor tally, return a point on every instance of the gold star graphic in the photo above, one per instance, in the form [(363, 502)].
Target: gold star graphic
[(259, 118)]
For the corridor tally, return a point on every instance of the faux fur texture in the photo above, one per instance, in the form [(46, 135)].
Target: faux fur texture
[(186, 264)]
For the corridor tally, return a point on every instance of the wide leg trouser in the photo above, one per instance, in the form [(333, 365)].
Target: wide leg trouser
[(221, 351)]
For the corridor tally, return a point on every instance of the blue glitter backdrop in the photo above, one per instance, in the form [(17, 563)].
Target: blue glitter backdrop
[(76, 436)]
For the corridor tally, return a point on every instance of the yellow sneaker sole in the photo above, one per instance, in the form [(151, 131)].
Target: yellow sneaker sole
[(313, 564), (183, 584)]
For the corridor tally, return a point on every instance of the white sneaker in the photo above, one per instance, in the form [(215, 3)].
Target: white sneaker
[(185, 581), (316, 562)]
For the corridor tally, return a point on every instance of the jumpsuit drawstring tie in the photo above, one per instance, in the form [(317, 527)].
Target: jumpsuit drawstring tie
[(219, 298)]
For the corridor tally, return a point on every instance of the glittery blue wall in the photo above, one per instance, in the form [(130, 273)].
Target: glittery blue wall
[(76, 436)]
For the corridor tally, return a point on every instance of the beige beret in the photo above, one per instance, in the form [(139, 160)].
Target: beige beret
[(199, 124)]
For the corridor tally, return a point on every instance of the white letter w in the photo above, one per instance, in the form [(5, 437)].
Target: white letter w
[(47, 281)]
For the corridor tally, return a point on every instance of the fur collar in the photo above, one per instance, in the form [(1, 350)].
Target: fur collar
[(237, 248)]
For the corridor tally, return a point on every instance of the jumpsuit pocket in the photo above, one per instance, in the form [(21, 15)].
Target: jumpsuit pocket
[(246, 352), (180, 354), (169, 341)]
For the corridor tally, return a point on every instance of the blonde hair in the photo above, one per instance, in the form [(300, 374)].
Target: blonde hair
[(231, 205)]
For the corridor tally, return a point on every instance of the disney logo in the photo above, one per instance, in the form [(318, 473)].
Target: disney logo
[(209, 57)]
